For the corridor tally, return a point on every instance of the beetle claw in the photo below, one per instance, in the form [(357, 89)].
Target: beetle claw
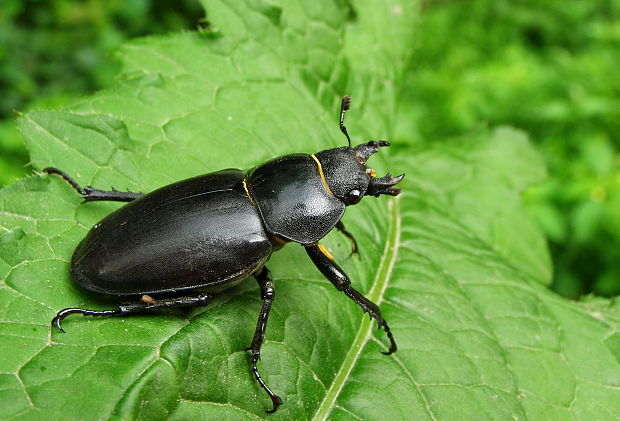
[(64, 313), (56, 322), (393, 346), (277, 401)]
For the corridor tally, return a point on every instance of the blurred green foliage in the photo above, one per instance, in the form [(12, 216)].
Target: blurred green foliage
[(546, 67), (54, 51)]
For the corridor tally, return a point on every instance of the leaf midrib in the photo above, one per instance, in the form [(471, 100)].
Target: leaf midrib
[(365, 330)]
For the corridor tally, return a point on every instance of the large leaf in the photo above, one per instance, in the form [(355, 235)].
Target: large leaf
[(479, 335)]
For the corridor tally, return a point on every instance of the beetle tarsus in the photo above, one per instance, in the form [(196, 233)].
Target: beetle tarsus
[(90, 194), (393, 346), (354, 247), (56, 321), (275, 399), (267, 294), (68, 179), (373, 312)]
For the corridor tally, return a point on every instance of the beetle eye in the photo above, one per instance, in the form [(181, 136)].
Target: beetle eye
[(354, 196)]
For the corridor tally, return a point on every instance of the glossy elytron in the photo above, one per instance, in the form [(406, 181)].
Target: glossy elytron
[(182, 243)]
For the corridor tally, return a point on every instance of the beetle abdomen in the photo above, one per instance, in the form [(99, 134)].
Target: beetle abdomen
[(199, 233)]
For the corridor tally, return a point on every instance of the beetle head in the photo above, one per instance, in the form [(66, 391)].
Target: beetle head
[(348, 177)]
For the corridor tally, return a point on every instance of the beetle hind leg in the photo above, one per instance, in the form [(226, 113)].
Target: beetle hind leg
[(90, 194), (267, 294), (146, 304)]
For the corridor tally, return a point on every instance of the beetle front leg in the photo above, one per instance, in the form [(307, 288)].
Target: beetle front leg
[(325, 263), (90, 194), (354, 248), (267, 294)]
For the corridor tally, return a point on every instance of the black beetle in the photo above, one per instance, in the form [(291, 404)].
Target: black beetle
[(178, 245)]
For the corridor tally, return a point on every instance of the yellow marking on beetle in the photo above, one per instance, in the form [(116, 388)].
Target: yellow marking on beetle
[(279, 240), (371, 172), (318, 163), (325, 252), (247, 192)]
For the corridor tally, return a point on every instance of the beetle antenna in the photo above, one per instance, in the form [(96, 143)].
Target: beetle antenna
[(344, 106)]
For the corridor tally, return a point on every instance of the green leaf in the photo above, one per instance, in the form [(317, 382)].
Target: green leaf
[(479, 335)]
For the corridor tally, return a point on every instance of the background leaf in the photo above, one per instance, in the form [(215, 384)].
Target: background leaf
[(479, 334)]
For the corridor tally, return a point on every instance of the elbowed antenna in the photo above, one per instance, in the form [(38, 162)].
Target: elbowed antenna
[(344, 106)]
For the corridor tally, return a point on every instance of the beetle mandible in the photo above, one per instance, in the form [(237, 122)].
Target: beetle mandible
[(182, 243)]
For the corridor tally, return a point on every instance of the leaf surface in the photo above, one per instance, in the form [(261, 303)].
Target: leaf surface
[(478, 333)]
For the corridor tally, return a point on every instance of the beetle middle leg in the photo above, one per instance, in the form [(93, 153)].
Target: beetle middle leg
[(267, 294), (339, 279), (90, 194), (140, 307)]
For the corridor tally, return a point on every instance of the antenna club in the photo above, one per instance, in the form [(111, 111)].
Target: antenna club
[(346, 102), (344, 106)]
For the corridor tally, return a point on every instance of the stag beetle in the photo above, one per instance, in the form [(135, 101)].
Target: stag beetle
[(182, 243)]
